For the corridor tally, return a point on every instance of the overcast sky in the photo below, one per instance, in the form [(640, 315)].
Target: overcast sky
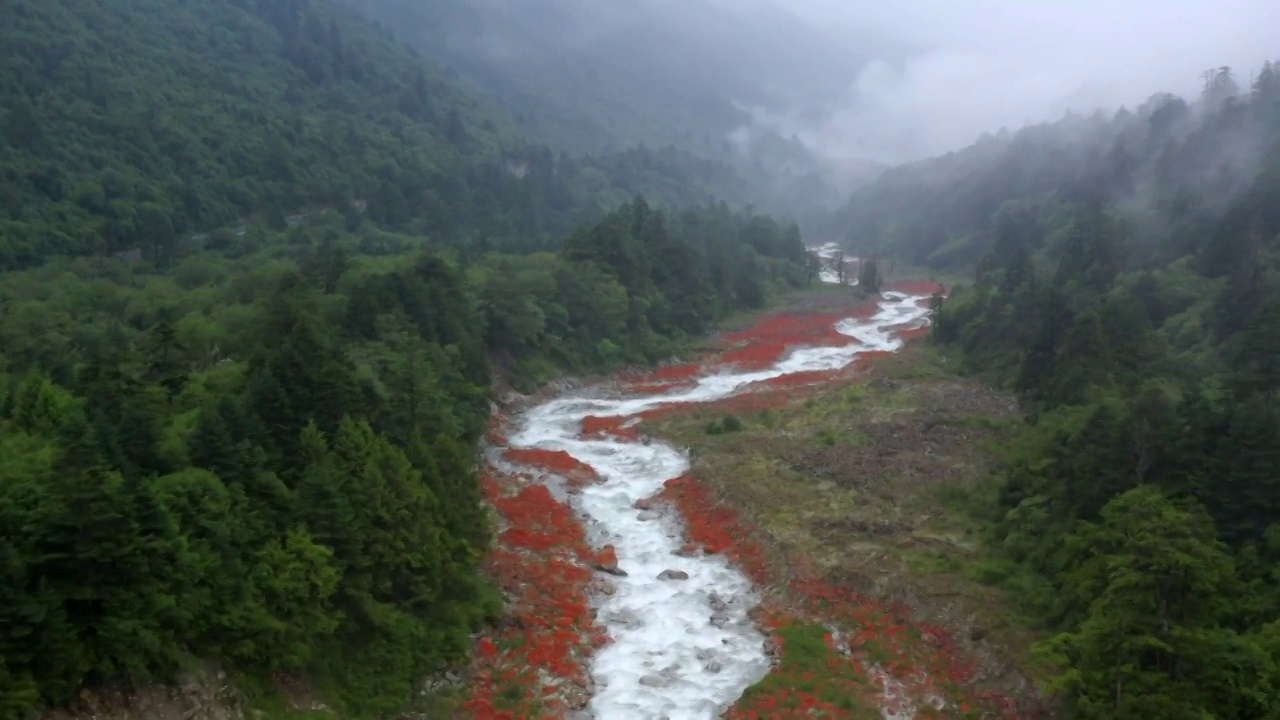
[(975, 65)]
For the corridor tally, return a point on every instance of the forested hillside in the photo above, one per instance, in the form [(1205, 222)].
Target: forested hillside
[(258, 268), (687, 77), (597, 77), (1164, 167), (137, 125), (1128, 271), (270, 459)]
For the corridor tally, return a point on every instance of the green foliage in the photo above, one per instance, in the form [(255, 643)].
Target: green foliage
[(869, 275), (258, 265), (1152, 641), (151, 129), (607, 90), (726, 424), (1138, 516), (806, 666), (270, 461)]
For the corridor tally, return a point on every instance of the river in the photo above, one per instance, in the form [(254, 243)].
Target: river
[(682, 649)]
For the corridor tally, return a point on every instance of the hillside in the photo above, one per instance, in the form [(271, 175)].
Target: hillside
[(1164, 162), (1125, 285), (693, 76), (596, 78), (260, 272), (137, 125)]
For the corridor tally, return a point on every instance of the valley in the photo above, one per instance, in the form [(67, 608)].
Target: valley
[(552, 360), (821, 466)]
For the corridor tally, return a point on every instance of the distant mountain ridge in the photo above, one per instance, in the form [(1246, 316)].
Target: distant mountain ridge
[(592, 77)]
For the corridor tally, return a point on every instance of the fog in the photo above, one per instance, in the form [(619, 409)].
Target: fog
[(943, 72)]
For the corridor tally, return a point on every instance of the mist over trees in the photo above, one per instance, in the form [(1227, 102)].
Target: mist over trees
[(1127, 270), (691, 78), (262, 262), (1165, 161), (212, 115)]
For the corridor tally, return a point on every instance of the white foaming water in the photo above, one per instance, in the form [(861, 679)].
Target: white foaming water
[(668, 659), (827, 272)]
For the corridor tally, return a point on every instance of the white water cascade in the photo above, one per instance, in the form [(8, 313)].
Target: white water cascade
[(827, 255), (682, 649)]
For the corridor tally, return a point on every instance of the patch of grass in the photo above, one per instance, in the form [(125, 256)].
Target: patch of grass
[(726, 424), (984, 422), (875, 652), (889, 480), (809, 665), (855, 394)]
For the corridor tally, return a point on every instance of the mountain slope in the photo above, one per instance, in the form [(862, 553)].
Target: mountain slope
[(259, 448), (135, 124), (599, 77), (1163, 154), (1127, 286), (593, 77)]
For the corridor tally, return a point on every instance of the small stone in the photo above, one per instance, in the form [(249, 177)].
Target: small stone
[(649, 515), (686, 550), (718, 604), (673, 575), (719, 620), (607, 561), (644, 504), (712, 666), (656, 681), (600, 586)]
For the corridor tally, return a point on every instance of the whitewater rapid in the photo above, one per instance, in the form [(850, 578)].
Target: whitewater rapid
[(681, 649), (827, 272)]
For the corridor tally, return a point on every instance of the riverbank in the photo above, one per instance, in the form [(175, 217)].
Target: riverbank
[(877, 654), (858, 494)]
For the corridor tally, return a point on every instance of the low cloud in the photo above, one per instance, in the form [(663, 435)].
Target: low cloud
[(959, 69)]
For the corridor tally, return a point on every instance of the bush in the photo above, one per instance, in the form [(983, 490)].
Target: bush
[(726, 424)]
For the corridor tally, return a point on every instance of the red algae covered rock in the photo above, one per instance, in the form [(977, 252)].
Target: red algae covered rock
[(595, 426), (662, 379), (717, 528), (812, 377), (787, 328), (916, 287), (532, 665), (606, 560), (557, 461), (755, 356)]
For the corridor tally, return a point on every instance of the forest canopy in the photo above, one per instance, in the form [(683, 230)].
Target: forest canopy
[(1127, 270), (259, 269), (141, 127), (270, 459)]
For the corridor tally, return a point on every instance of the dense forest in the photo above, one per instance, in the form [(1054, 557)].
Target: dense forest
[(599, 78), (142, 126), (269, 459), (1128, 270), (261, 267), (686, 77)]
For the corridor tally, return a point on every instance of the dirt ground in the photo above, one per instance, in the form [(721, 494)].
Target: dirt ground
[(870, 481)]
